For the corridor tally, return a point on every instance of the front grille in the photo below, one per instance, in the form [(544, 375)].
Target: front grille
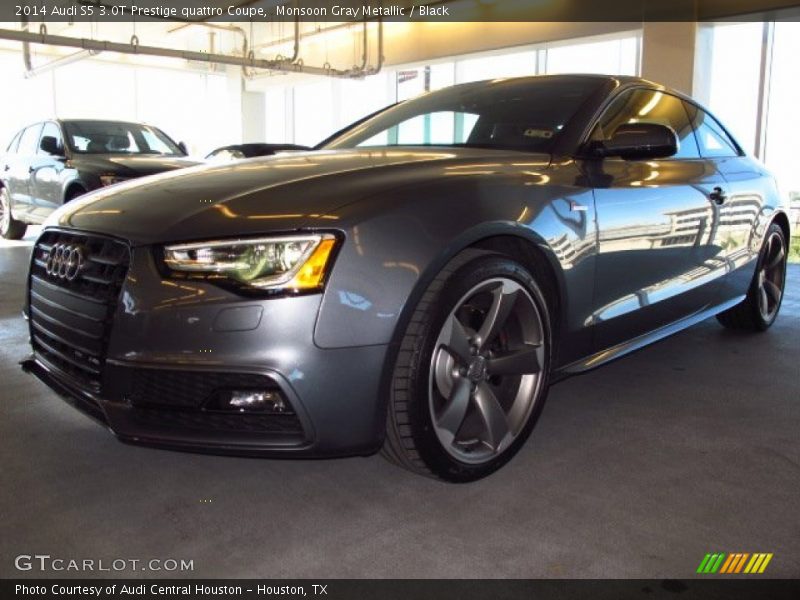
[(277, 424), (70, 318)]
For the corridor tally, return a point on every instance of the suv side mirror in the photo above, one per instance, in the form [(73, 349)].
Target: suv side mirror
[(640, 141), (183, 148), (50, 145)]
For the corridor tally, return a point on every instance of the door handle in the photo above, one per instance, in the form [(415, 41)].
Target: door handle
[(31, 169), (718, 195)]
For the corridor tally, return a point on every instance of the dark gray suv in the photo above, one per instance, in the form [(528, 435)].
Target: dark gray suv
[(48, 164), (416, 283)]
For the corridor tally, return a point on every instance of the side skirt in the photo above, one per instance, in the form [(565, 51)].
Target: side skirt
[(605, 356)]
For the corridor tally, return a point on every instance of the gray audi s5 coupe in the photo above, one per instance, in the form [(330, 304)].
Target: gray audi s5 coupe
[(415, 283)]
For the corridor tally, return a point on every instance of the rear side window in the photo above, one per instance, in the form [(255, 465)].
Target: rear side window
[(649, 106), (711, 137), (12, 147), (29, 142)]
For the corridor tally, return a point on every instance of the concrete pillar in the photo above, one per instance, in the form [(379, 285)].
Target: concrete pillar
[(254, 117), (668, 54)]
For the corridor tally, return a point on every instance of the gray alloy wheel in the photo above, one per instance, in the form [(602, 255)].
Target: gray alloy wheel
[(10, 228), (770, 277), (485, 370), (759, 309), (470, 375)]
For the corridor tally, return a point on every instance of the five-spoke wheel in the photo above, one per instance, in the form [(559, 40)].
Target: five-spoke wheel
[(471, 374), (771, 275), (485, 370), (763, 301)]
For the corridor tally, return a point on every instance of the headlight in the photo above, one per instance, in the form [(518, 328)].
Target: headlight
[(111, 179), (295, 263)]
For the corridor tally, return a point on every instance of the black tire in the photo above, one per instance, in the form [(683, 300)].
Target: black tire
[(10, 228), (413, 438), (73, 192), (766, 288)]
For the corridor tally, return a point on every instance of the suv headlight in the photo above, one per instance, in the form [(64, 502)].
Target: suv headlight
[(291, 263)]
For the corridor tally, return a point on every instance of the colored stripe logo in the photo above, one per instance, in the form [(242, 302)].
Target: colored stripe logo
[(734, 563)]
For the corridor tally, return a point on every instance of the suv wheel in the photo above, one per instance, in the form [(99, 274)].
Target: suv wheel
[(10, 228)]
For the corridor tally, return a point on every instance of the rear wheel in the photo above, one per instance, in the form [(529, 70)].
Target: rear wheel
[(471, 374), (10, 228), (759, 309)]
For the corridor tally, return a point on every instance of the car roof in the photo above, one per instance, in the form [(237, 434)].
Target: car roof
[(125, 121), (576, 77), (614, 82)]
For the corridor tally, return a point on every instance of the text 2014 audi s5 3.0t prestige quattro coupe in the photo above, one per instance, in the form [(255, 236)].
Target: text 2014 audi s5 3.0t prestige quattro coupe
[(415, 283)]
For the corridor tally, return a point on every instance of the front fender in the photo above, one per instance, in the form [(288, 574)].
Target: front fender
[(397, 243)]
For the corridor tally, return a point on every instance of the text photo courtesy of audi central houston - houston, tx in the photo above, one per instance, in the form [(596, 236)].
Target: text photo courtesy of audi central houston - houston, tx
[(468, 299)]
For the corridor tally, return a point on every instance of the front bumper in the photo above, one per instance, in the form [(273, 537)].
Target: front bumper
[(170, 343)]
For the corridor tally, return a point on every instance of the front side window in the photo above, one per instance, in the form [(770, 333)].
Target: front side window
[(711, 137), (649, 106), (522, 114), (109, 137)]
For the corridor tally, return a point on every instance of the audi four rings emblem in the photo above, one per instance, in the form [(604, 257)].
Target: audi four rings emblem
[(65, 261)]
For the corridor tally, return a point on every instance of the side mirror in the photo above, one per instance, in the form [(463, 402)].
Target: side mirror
[(641, 141), (50, 145), (183, 148)]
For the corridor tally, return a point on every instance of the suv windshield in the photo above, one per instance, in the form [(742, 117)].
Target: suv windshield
[(525, 114), (109, 137)]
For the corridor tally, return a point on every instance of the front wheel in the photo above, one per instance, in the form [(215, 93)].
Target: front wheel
[(10, 228), (471, 374), (759, 309)]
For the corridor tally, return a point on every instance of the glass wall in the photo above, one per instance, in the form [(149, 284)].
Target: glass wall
[(512, 64), (746, 59), (94, 88), (782, 149), (734, 73), (614, 56), (306, 113)]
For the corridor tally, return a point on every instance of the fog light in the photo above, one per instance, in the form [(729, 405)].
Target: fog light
[(244, 400), (270, 401)]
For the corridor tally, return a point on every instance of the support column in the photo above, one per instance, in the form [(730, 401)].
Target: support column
[(254, 117), (668, 54)]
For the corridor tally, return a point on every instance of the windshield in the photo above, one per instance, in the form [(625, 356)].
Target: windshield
[(516, 114), (109, 137)]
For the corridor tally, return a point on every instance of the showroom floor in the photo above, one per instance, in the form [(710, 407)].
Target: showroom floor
[(635, 470)]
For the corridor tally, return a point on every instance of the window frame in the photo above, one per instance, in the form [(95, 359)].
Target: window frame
[(731, 139), (60, 134), (584, 151), (14, 143), (40, 125)]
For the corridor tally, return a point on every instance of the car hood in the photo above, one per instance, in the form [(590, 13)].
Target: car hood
[(132, 166), (278, 193)]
